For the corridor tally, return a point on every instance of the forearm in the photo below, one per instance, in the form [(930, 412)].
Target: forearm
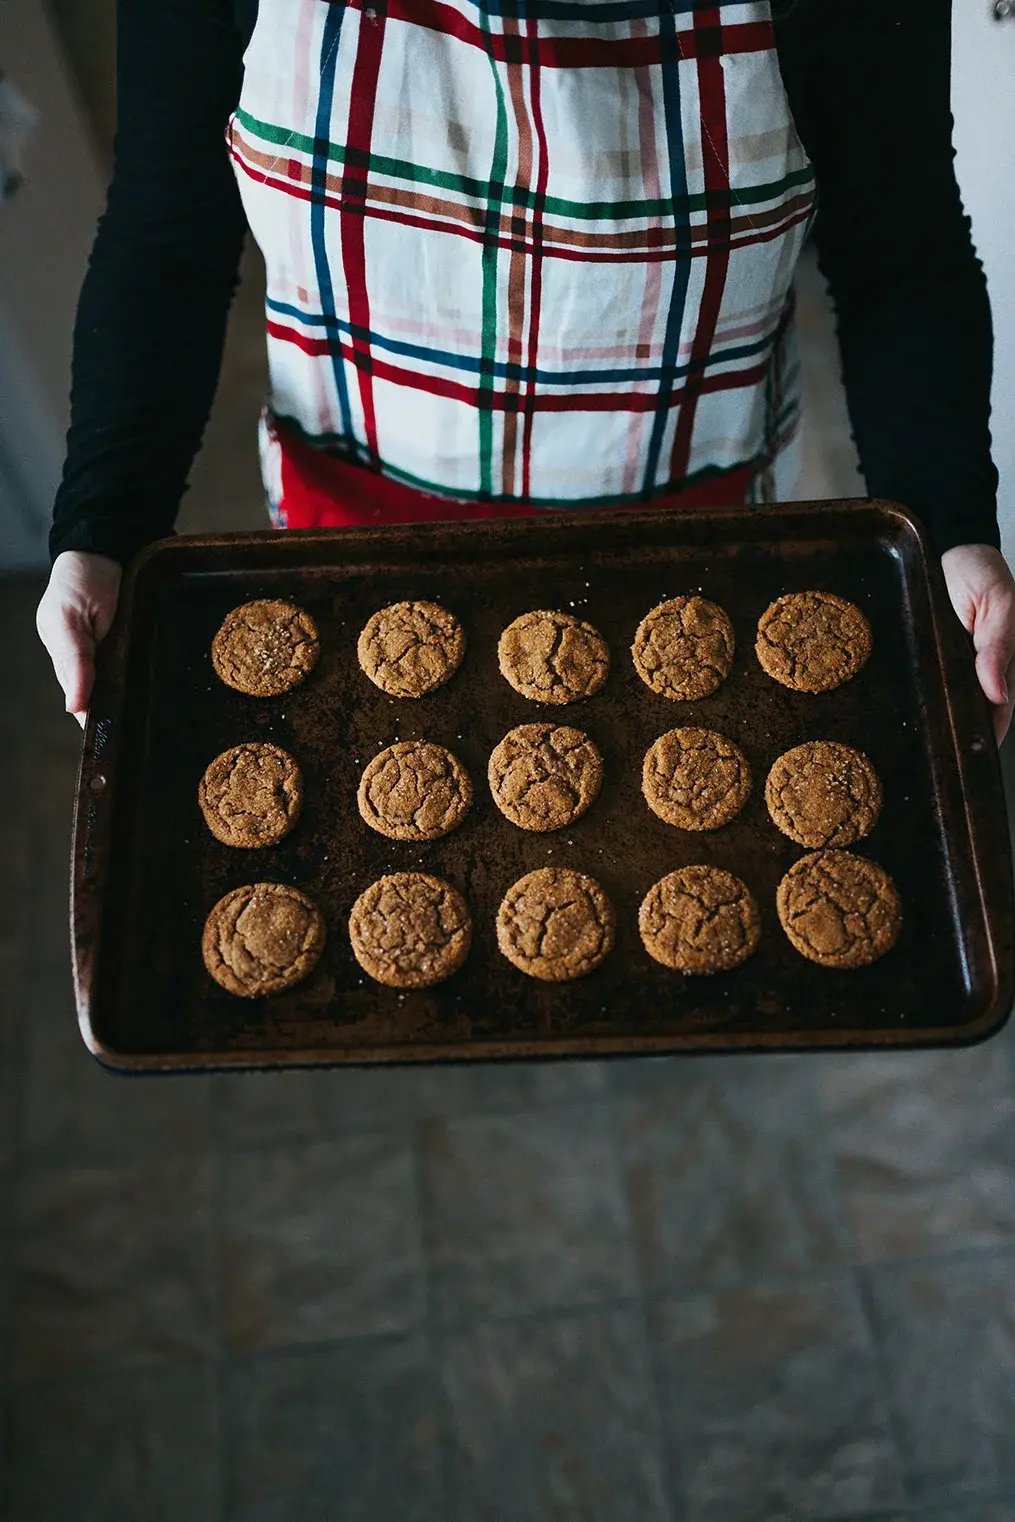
[(916, 358), (869, 85), (155, 300), (147, 353)]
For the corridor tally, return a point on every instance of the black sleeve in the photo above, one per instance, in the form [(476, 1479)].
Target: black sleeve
[(869, 86), (152, 313)]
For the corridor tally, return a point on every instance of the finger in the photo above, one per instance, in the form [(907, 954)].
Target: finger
[(992, 663), (1003, 714)]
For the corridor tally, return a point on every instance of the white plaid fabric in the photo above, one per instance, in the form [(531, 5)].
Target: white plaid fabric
[(536, 250)]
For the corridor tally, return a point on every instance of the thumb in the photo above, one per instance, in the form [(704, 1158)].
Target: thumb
[(993, 657), (72, 648), (992, 661)]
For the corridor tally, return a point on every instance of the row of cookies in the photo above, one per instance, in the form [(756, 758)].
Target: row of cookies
[(683, 649), (837, 909), (412, 930), (545, 776)]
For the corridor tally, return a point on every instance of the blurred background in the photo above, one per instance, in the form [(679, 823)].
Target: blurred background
[(751, 1290)]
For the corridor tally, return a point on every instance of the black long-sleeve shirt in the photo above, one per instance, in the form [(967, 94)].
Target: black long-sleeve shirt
[(868, 84)]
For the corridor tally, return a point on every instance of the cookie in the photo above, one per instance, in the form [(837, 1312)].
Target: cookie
[(251, 795), (699, 919), (683, 649), (414, 790), (544, 776), (695, 779), (823, 794), (262, 938), (838, 909), (265, 648), (410, 930), (553, 657), (812, 641), (411, 648), (555, 924)]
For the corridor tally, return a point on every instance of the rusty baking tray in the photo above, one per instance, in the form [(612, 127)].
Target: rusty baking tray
[(146, 871)]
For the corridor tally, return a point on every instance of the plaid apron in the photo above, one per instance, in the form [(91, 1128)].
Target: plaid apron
[(521, 254)]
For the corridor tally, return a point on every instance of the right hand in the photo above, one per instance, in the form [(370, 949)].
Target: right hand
[(74, 617)]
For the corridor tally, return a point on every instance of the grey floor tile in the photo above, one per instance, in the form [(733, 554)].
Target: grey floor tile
[(140, 1445), (262, 1109), (18, 889), (976, 1511), (948, 1334), (873, 1516), (554, 1419), (7, 1250), (320, 1240), (11, 1043), (524, 1211), (73, 1108), (48, 895), (39, 747), (485, 1087), (267, 1107), (924, 1145), (349, 1432), (113, 1267), (636, 1077), (772, 1403), (728, 1181), (46, 759)]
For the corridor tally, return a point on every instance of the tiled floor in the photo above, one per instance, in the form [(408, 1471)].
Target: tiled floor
[(751, 1290)]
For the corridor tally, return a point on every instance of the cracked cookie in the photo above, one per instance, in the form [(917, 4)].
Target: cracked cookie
[(411, 648), (544, 776), (265, 648), (410, 930), (823, 794), (251, 795), (555, 924), (838, 909), (262, 938), (683, 649), (553, 657), (699, 919), (812, 641), (414, 790), (695, 779)]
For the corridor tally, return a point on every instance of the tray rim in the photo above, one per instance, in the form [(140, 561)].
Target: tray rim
[(977, 765)]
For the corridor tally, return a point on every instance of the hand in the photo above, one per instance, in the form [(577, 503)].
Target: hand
[(982, 591), (74, 617)]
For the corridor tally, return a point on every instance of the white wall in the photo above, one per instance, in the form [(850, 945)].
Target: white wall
[(45, 234), (983, 96)]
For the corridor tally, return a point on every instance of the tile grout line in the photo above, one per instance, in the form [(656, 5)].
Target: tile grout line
[(365, 1127), (854, 1264), (96, 1368), (218, 1293), (669, 1468), (895, 1427), (432, 1330)]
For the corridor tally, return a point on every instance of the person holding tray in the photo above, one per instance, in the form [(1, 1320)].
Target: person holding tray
[(524, 257)]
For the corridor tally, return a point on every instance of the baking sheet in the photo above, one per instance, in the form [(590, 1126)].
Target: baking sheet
[(146, 871)]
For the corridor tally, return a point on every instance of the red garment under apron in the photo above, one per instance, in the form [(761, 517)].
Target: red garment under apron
[(318, 490)]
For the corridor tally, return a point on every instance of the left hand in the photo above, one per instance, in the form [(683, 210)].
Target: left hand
[(982, 591)]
